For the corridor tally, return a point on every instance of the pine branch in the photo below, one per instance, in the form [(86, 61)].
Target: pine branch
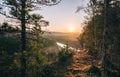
[(46, 2), (4, 14)]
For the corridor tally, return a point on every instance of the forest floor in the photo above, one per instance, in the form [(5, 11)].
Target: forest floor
[(76, 65)]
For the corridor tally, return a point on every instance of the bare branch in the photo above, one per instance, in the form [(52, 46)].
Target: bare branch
[(79, 8)]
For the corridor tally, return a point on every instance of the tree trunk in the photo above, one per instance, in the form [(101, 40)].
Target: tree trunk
[(23, 40), (104, 50)]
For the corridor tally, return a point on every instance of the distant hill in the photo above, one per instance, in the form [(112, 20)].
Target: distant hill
[(61, 33), (63, 37)]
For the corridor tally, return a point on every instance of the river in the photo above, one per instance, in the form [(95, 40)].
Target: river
[(61, 45)]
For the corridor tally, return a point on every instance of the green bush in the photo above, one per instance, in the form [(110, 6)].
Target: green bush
[(65, 53), (10, 43), (48, 71)]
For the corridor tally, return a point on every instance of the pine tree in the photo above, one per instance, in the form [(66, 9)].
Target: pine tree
[(106, 19), (19, 9)]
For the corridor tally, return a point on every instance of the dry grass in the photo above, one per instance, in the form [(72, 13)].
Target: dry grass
[(75, 66)]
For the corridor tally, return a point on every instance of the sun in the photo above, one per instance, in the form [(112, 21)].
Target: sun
[(72, 28)]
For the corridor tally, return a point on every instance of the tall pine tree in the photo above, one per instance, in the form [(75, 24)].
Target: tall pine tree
[(19, 9)]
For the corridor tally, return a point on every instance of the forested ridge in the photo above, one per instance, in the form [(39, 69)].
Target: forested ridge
[(32, 52)]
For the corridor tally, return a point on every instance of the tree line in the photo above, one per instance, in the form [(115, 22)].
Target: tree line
[(101, 34)]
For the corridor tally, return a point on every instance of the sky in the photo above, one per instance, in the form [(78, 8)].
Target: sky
[(62, 15)]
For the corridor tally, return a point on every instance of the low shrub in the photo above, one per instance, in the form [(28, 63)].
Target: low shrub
[(65, 53), (48, 71)]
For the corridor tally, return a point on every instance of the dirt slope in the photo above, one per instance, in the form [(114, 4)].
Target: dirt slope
[(80, 63), (75, 66)]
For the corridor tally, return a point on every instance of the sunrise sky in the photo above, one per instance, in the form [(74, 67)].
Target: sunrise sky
[(62, 16)]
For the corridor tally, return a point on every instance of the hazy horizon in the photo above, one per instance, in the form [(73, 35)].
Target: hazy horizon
[(62, 16)]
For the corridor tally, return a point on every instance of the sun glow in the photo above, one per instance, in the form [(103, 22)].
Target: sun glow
[(72, 28)]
